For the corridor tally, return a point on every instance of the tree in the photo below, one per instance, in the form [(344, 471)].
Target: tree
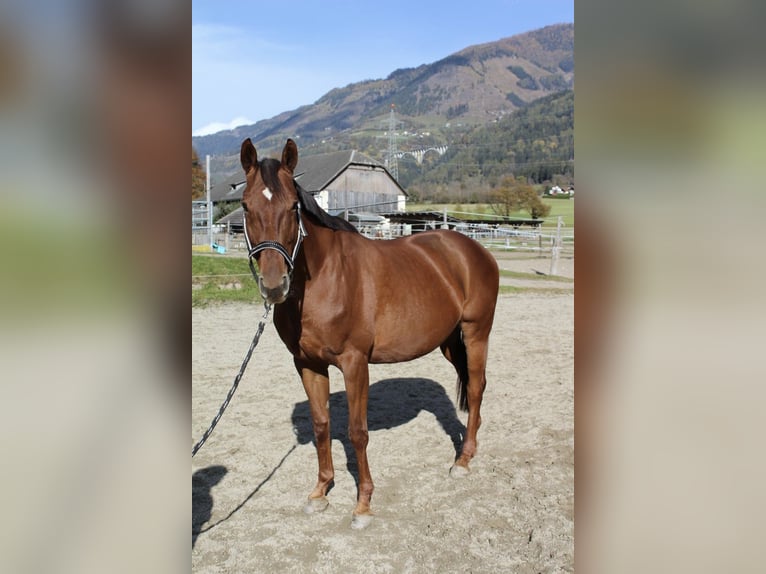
[(537, 209), (198, 177), (503, 201), (513, 196)]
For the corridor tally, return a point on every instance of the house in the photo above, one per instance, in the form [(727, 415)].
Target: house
[(342, 182), (556, 191)]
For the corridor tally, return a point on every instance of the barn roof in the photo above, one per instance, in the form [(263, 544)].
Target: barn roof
[(230, 189), (314, 173), (236, 218)]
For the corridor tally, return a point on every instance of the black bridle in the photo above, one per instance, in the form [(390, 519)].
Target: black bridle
[(252, 251)]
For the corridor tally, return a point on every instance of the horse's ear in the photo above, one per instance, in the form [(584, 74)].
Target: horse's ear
[(248, 156), (290, 155)]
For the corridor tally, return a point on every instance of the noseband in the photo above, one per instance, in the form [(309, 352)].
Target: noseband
[(275, 246)]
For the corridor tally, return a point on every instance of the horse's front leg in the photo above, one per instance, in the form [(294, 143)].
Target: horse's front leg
[(357, 380), (317, 385)]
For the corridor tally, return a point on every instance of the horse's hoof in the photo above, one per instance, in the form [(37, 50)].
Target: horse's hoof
[(314, 505), (360, 521), (458, 471)]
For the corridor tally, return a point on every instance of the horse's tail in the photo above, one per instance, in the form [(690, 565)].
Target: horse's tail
[(460, 361)]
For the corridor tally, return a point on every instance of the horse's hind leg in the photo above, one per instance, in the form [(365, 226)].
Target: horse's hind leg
[(317, 385), (475, 339)]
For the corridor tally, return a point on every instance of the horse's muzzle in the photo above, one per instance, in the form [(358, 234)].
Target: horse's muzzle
[(274, 295)]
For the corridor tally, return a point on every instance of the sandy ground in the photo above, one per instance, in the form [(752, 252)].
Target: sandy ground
[(513, 513)]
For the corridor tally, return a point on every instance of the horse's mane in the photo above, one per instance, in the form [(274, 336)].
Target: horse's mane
[(319, 215)]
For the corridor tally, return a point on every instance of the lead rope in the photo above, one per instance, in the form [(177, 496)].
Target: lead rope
[(234, 386)]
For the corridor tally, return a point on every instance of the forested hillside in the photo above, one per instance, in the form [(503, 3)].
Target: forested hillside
[(535, 143)]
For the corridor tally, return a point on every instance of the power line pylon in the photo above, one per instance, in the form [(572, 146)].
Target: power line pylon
[(392, 161)]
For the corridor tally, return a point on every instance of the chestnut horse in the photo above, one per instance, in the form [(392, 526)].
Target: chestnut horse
[(345, 300)]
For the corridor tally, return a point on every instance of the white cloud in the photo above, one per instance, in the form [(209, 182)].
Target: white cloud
[(215, 127)]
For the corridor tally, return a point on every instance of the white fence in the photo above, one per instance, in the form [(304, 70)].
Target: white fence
[(221, 237), (533, 240)]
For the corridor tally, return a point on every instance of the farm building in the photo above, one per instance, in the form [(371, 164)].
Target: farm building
[(342, 182)]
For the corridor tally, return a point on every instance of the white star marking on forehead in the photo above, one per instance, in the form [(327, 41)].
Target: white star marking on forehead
[(267, 193)]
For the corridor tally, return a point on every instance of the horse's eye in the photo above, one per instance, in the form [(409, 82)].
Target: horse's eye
[(244, 205)]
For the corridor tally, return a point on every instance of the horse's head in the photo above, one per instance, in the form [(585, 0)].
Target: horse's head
[(273, 226)]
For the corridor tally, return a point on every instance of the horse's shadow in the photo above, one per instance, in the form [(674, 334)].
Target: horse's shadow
[(392, 402), (202, 500)]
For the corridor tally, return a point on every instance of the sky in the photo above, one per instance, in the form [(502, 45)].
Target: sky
[(254, 60)]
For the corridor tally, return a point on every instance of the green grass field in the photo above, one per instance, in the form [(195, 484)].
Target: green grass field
[(563, 207), (217, 278)]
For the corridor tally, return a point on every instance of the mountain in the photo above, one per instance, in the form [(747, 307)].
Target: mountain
[(474, 86)]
